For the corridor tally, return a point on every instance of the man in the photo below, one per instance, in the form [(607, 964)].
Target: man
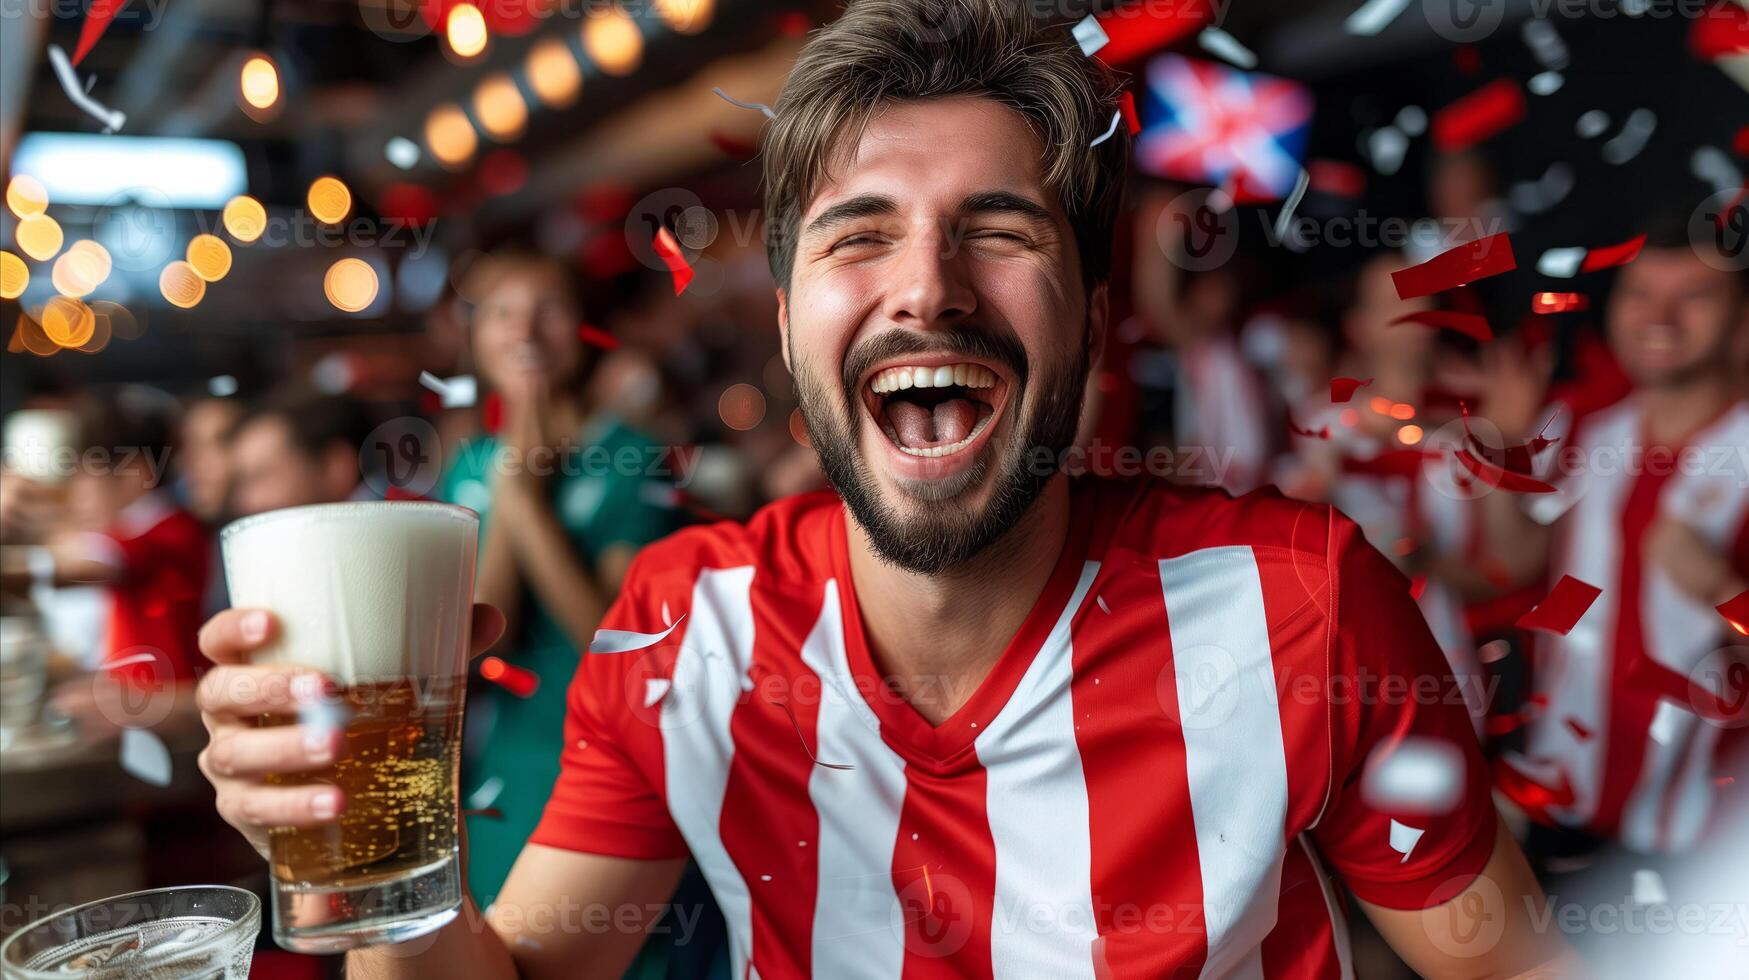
[(976, 720), (1656, 498), (297, 447)]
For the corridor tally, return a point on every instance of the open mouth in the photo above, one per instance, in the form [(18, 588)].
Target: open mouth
[(935, 409)]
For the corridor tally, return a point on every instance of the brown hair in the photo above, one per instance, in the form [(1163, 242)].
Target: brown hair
[(885, 51)]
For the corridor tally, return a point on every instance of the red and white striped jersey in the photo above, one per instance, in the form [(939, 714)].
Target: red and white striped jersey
[(1152, 780), (1641, 766)]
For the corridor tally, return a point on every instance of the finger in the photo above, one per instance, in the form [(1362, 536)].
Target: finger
[(230, 634), (246, 690), (246, 753), (253, 805), (488, 627)]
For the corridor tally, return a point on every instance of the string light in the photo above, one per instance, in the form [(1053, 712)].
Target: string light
[(351, 285), (26, 196), (67, 322), (209, 257), (329, 200), (181, 285), (686, 16), (499, 107), (14, 276), (465, 30), (75, 274), (553, 73), (612, 40), (450, 136), (98, 254), (39, 236), (259, 82), (245, 219)]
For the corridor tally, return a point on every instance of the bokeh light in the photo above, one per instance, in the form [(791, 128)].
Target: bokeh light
[(181, 285), (450, 136), (209, 257), (28, 335), (121, 320), (245, 219), (499, 107), (553, 73), (613, 41), (329, 200), (686, 16), (259, 82), (1409, 435), (75, 273), (741, 407), (103, 329), (98, 254), (351, 285), (67, 322), (26, 196), (38, 236), (14, 276), (465, 30)]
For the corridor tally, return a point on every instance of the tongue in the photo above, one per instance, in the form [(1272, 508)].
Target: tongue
[(920, 427)]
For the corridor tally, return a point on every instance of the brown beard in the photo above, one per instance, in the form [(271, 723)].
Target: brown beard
[(944, 534)]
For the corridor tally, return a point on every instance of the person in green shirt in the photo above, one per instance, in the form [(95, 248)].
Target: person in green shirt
[(566, 493)]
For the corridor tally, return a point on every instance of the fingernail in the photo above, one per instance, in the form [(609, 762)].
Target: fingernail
[(319, 744), (254, 627), (307, 688), (324, 807)]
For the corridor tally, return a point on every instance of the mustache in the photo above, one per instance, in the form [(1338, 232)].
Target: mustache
[(1001, 346)]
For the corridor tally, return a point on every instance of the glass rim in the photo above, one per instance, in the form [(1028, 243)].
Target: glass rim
[(212, 943), (344, 507)]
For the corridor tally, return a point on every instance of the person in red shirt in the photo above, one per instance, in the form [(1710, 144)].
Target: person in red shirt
[(126, 533), (970, 717)]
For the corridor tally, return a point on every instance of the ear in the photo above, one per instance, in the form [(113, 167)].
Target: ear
[(1098, 322), (783, 326)]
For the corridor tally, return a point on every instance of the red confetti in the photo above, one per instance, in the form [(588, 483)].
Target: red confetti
[(1134, 33), (1562, 608), (1533, 797), (1455, 267), (1741, 143), (1736, 612), (1342, 389), (97, 20), (1511, 468), (1483, 113), (669, 251), (1336, 177), (596, 337), (1610, 256), (517, 680), (1126, 104), (735, 148), (1300, 430), (1580, 732), (1499, 477), (1720, 32), (1391, 462), (1467, 59), (1558, 302), (1417, 585), (1537, 700), (492, 412), (1498, 725), (1468, 324)]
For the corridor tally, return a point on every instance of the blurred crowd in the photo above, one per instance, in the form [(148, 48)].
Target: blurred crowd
[(582, 431)]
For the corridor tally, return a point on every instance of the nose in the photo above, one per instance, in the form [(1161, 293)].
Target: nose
[(930, 288)]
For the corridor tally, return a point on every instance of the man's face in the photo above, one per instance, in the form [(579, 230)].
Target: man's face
[(269, 471), (938, 329), (1671, 317)]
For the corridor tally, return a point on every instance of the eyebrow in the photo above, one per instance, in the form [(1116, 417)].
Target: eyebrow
[(1003, 202), (880, 205), (861, 206)]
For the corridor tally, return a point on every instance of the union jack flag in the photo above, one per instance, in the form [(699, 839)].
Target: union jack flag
[(1207, 123)]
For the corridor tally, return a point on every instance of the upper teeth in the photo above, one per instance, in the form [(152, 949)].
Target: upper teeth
[(965, 375)]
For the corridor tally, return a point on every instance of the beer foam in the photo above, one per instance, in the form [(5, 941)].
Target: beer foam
[(365, 591)]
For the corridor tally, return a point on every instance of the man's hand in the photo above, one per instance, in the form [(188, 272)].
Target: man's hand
[(1691, 563), (1516, 388), (28, 509), (239, 756)]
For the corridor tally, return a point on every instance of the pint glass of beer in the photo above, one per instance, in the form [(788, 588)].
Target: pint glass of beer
[(378, 596)]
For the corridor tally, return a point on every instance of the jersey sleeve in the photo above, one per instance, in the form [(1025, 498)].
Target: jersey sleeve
[(606, 799), (1396, 852)]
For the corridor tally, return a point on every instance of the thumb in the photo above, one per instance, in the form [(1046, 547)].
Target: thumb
[(488, 628)]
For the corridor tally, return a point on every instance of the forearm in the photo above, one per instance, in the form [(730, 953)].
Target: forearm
[(555, 574), (465, 949), (1514, 540)]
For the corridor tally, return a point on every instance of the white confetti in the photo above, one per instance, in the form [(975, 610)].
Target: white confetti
[(1102, 606), (223, 386), (1537, 196), (655, 689), (1404, 838), (1226, 47), (1649, 888), (1561, 263), (625, 641), (1545, 42), (460, 391), (1713, 165), (1116, 119), (667, 620), (1591, 123), (402, 152), (1545, 83), (1667, 723), (486, 793), (1493, 651), (1636, 131), (764, 877), (1415, 775), (145, 757), (762, 107), (1089, 35), (1293, 202), (1411, 119), (1373, 15), (1385, 147), (76, 90)]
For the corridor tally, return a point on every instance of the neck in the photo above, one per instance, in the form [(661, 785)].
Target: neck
[(1673, 412), (949, 629)]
